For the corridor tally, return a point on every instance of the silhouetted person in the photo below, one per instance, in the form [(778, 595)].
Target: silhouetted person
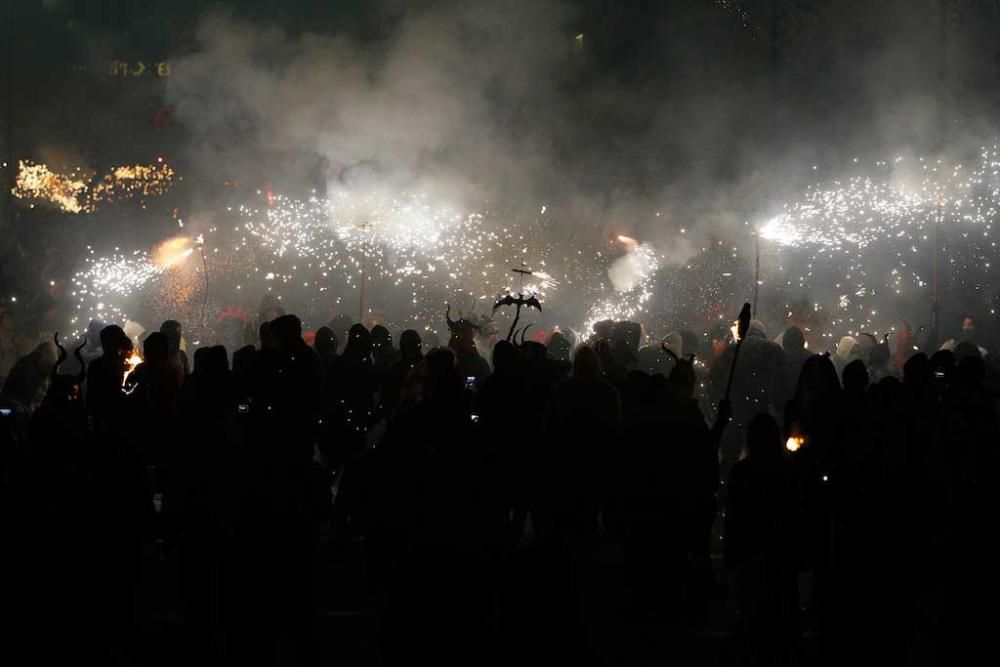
[(28, 380), (178, 358), (105, 377), (341, 326), (350, 401), (463, 343), (793, 342), (559, 347), (283, 495), (410, 354), (762, 544), (760, 384), (325, 344), (427, 523), (581, 421), (384, 354), (511, 454)]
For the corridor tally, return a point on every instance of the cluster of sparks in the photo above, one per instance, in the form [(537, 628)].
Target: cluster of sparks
[(632, 294), (847, 247), (411, 254), (874, 237), (104, 289), (77, 191)]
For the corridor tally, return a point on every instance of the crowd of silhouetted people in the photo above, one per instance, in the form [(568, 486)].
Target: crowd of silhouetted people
[(847, 497)]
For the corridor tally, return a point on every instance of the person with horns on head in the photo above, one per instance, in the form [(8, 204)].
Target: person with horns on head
[(469, 362)]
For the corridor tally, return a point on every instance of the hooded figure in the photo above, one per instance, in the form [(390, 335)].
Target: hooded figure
[(793, 342), (178, 358), (92, 350), (28, 381), (411, 353), (966, 335), (384, 354), (848, 350), (760, 383)]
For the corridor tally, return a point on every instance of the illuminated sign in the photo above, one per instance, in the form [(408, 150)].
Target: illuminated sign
[(127, 68)]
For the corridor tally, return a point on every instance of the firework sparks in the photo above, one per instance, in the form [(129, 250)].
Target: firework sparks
[(411, 253), (872, 236), (77, 192), (631, 275), (172, 251), (37, 182)]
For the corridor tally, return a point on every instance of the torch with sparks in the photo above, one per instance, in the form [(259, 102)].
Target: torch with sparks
[(130, 365), (742, 326)]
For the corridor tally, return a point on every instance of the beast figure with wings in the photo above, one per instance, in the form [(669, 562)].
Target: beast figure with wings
[(520, 301)]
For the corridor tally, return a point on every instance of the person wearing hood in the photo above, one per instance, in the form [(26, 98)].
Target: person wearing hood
[(92, 350), (28, 380), (178, 358), (967, 334), (384, 354), (848, 350), (410, 354), (760, 383), (793, 342)]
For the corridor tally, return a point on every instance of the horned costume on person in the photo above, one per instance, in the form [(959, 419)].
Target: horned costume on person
[(462, 342)]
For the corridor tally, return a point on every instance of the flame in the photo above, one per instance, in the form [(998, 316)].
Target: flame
[(131, 364), (794, 443)]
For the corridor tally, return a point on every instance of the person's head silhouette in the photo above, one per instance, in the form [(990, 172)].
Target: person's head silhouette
[(410, 345), (325, 342), (763, 439), (156, 347), (586, 364)]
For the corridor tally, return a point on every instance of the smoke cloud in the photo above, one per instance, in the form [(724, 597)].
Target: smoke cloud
[(685, 143)]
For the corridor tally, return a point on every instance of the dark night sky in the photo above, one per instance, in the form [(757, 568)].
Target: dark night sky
[(833, 69)]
